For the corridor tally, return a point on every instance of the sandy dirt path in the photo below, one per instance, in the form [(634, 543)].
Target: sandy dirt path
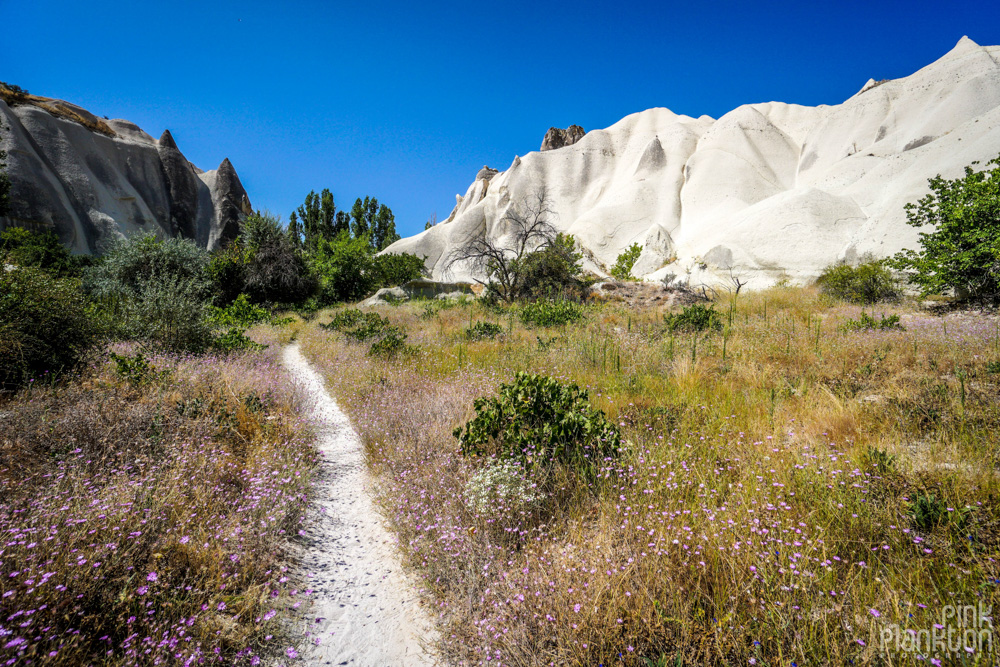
[(364, 611)]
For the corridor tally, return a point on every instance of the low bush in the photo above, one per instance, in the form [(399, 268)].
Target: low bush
[(345, 318), (868, 323), (552, 272), (867, 283), (41, 250), (391, 343), (235, 340), (538, 421), (550, 313), (622, 270), (500, 491), (44, 326), (927, 512), (137, 369), (696, 317), (483, 331), (240, 313), (371, 325)]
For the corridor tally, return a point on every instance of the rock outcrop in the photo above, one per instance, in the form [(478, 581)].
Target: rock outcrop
[(769, 191), (91, 180), (557, 138)]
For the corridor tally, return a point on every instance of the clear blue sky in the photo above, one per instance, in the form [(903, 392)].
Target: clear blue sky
[(407, 100)]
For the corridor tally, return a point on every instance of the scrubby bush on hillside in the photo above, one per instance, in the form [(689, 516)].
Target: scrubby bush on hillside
[(483, 331), (553, 271), (240, 313), (962, 253), (155, 291), (866, 322), (538, 421), (41, 250), (43, 325), (695, 317), (550, 313), (622, 270), (263, 263), (867, 283)]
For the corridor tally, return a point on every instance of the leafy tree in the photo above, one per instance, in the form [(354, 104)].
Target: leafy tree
[(622, 270), (501, 260), (294, 233), (309, 215), (383, 230), (341, 223), (396, 269), (4, 183), (346, 268), (552, 271), (962, 253), (363, 216), (263, 263)]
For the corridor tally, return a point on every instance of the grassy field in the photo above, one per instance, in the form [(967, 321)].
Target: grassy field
[(790, 488), (146, 511)]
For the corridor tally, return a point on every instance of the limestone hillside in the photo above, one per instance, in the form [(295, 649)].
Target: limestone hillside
[(91, 179), (773, 190)]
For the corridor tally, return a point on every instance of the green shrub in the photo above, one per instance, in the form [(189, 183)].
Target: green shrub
[(371, 325), (548, 313), (263, 263), (880, 460), (960, 254), (867, 283), (551, 272), (395, 269), (538, 421), (695, 317), (240, 313), (137, 369), (346, 268), (44, 326), (483, 331), (993, 367), (391, 343), (235, 340), (155, 291), (622, 270), (345, 318), (41, 250), (868, 323)]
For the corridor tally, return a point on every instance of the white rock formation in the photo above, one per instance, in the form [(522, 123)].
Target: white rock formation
[(91, 180), (770, 190)]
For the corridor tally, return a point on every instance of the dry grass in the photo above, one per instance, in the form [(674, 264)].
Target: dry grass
[(749, 520), (146, 523)]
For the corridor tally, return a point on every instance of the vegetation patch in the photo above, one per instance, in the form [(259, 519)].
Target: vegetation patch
[(484, 331), (546, 313), (868, 283), (866, 322), (696, 317)]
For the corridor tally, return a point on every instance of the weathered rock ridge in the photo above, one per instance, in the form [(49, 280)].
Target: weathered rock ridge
[(91, 180), (769, 191), (557, 138)]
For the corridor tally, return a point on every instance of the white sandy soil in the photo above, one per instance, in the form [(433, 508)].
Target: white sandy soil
[(364, 611)]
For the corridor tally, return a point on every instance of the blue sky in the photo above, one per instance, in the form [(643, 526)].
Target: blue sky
[(406, 101)]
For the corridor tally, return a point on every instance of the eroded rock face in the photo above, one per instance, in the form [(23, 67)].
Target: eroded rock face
[(557, 138), (92, 180), (766, 192)]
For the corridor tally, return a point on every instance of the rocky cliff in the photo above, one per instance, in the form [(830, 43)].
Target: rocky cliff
[(91, 179), (769, 191)]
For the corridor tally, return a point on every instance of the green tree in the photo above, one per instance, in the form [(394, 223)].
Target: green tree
[(383, 232), (341, 223), (346, 268), (553, 270), (310, 216), (294, 233), (962, 254), (395, 269), (327, 214), (363, 216), (622, 270), (39, 249)]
